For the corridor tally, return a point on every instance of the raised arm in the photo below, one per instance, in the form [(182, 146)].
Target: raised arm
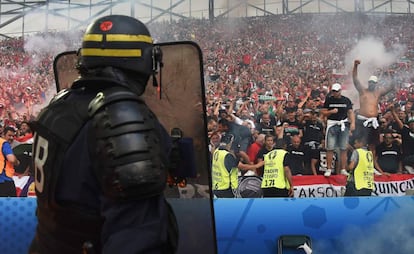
[(355, 79), (231, 106), (216, 110), (395, 116), (242, 106), (305, 99)]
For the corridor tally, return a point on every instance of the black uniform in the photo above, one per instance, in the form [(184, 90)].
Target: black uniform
[(100, 158), (92, 181)]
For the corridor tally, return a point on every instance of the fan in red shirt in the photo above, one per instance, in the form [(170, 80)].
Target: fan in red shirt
[(254, 148)]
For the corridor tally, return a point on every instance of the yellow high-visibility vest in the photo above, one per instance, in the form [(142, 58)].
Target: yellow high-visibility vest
[(222, 179), (364, 171), (274, 172)]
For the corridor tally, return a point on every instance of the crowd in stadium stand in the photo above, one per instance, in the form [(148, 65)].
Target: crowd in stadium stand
[(252, 66)]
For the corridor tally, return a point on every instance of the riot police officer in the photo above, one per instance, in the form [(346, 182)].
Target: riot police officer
[(100, 153)]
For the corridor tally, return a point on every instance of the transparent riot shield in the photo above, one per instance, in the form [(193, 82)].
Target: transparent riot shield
[(177, 98), (64, 68)]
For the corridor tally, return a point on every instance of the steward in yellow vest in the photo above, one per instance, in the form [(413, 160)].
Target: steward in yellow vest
[(224, 170), (277, 178), (360, 182)]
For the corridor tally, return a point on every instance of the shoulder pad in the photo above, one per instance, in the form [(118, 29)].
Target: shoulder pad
[(62, 118), (130, 163), (109, 96), (60, 95)]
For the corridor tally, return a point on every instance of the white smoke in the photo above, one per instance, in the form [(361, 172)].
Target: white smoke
[(373, 56), (393, 234), (52, 43), (44, 44), (41, 49)]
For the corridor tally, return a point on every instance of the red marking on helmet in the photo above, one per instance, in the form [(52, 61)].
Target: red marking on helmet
[(106, 25)]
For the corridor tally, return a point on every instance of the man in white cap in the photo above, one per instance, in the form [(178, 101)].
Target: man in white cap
[(339, 126), (367, 117)]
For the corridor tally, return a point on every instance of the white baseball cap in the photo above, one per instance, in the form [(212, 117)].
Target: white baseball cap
[(373, 79), (336, 87)]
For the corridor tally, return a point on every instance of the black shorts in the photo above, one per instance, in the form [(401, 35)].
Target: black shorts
[(370, 134), (351, 190)]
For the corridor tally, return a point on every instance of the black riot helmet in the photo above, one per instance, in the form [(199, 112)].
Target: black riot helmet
[(119, 41)]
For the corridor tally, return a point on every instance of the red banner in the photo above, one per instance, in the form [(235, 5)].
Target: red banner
[(304, 186), (334, 186)]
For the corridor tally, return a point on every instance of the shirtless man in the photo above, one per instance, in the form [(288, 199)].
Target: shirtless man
[(366, 120)]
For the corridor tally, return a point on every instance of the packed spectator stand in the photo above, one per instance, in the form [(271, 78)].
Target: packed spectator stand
[(251, 65)]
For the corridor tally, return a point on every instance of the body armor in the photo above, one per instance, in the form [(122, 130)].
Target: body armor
[(122, 160)]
